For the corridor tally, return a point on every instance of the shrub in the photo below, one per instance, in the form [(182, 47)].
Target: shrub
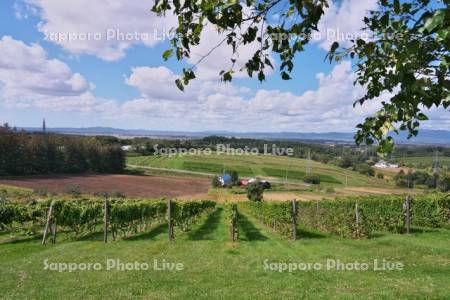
[(380, 175), (313, 179), (443, 183), (255, 191), (364, 169), (234, 178)]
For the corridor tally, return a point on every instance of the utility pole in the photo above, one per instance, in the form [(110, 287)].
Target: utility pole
[(308, 163), (45, 137)]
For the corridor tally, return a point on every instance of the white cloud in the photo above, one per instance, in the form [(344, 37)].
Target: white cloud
[(216, 54), (225, 106), (27, 74), (100, 17), (158, 82), (31, 80), (341, 20)]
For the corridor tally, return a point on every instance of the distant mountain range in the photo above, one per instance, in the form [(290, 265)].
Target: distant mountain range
[(426, 136)]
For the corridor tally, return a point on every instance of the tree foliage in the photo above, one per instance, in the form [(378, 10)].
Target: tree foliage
[(406, 57), (23, 153), (242, 23), (255, 191)]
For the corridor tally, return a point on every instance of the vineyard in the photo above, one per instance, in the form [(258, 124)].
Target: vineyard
[(352, 217), (81, 216), (227, 242)]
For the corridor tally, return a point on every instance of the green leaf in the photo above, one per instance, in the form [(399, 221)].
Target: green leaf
[(334, 46), (397, 6), (436, 20), (227, 76), (422, 117), (167, 54), (285, 76), (261, 76), (385, 20), (179, 84)]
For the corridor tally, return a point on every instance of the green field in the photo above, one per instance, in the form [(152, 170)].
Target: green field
[(214, 268), (424, 162), (292, 169)]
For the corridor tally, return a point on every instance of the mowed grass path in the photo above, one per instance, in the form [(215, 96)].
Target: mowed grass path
[(259, 165), (214, 268)]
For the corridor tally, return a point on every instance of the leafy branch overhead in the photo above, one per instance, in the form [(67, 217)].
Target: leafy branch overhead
[(407, 59), (404, 61), (242, 23)]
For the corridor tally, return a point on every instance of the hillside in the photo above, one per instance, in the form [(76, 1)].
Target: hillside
[(275, 167)]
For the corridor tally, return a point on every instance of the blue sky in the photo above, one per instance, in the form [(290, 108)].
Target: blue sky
[(126, 84)]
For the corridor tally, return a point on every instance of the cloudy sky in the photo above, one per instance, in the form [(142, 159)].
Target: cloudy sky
[(102, 78)]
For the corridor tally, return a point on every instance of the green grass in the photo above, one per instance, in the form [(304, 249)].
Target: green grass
[(259, 165), (214, 268), (14, 191), (424, 162)]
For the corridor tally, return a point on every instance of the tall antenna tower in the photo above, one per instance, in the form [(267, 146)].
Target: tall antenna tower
[(436, 166), (44, 127)]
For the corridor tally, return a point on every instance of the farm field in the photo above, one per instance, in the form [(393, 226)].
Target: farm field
[(215, 268), (128, 185), (271, 167), (424, 162), (288, 192)]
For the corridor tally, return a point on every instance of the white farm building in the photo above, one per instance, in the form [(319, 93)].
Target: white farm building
[(385, 165)]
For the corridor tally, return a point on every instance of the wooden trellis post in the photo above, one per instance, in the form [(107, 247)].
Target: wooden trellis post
[(357, 220), (169, 219), (294, 219), (105, 220), (317, 212), (48, 224), (408, 214), (54, 232), (233, 222)]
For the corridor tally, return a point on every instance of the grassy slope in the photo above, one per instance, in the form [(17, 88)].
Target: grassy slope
[(250, 165), (426, 161), (217, 269)]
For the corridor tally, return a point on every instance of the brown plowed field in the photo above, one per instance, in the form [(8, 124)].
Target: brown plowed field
[(129, 185)]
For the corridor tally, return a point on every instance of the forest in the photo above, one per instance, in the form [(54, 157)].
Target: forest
[(23, 153)]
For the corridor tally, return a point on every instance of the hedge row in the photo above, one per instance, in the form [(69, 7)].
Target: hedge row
[(277, 215), (377, 213), (334, 216), (185, 213), (354, 217), (84, 215)]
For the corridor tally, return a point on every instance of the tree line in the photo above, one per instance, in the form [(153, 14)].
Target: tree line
[(342, 155), (23, 153)]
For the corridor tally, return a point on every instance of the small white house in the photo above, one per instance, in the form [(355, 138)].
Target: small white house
[(127, 148), (385, 165)]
